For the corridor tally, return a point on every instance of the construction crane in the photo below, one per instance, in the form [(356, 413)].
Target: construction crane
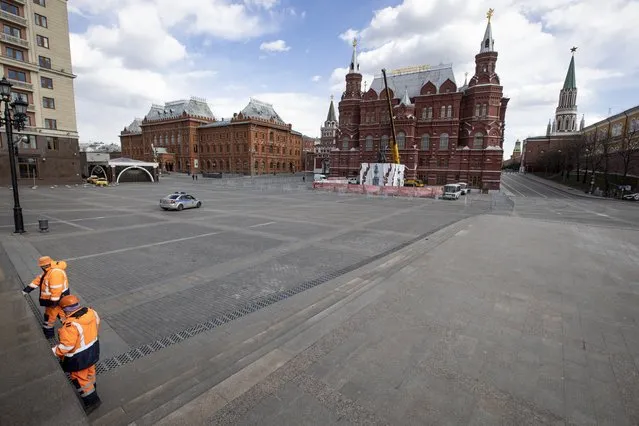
[(393, 141)]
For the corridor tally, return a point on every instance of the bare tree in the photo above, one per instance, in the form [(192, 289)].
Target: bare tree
[(629, 148)]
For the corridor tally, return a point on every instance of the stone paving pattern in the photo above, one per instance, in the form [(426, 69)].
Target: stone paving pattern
[(526, 315)]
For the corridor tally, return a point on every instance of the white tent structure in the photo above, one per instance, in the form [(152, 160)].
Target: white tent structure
[(119, 166)]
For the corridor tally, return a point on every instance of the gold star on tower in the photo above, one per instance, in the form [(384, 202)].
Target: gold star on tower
[(574, 49), (354, 42), (490, 13)]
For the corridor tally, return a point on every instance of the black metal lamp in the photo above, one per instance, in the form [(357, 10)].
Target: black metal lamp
[(19, 107)]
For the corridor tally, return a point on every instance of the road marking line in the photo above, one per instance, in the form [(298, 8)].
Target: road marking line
[(537, 192), (510, 188), (122, 250), (66, 222), (261, 224)]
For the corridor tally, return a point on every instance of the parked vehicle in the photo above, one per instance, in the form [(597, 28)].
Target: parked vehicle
[(414, 182), (92, 179), (464, 187), (180, 201), (631, 197), (353, 181), (318, 177), (452, 191), (101, 182)]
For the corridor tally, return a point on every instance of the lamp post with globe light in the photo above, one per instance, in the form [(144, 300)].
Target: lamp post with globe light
[(19, 107)]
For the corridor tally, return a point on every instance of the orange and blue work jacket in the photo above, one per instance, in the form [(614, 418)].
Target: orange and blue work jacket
[(53, 284), (79, 347)]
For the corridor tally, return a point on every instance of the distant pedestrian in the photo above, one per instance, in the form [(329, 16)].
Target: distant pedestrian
[(79, 349), (193, 177), (303, 178)]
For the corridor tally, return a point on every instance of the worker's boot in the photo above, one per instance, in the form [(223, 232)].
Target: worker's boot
[(49, 333), (91, 402)]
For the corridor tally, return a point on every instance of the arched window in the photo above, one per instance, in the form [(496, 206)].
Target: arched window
[(271, 137), (443, 141), (478, 141), (166, 140), (425, 142), (384, 142), (424, 113), (172, 138), (430, 112), (442, 113), (208, 164), (477, 110), (345, 142), (179, 138), (257, 165), (155, 140), (401, 140), (484, 110), (449, 111), (369, 143)]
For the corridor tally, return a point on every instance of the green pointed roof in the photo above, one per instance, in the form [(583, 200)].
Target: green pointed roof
[(331, 113), (571, 81)]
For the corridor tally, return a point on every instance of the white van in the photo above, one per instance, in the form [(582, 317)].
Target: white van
[(464, 187), (452, 191), (319, 177)]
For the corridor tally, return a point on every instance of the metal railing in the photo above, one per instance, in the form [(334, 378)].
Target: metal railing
[(21, 84)]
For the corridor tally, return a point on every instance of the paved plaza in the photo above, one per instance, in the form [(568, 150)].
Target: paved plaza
[(275, 304)]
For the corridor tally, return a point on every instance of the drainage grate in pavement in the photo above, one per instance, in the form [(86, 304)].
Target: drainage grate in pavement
[(252, 306)]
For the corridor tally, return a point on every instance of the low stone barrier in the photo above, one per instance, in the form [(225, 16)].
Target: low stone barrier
[(394, 191)]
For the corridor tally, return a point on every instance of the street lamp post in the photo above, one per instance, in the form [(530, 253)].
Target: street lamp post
[(19, 107)]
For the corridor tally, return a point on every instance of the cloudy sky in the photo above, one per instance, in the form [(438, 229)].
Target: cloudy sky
[(293, 53)]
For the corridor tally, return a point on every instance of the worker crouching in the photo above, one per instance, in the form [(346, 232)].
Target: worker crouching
[(54, 285), (79, 348)]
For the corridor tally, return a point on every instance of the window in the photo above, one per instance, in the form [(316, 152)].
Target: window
[(442, 162), (430, 112), (441, 179), (425, 142), (40, 2), (12, 31), (7, 7), (442, 113), (17, 95), (345, 142), (50, 123), (483, 110), (443, 141), (424, 113), (42, 41), (48, 103), (384, 142), (16, 54), (449, 111), (46, 82), (369, 143), (28, 167), (17, 75), (477, 110), (401, 140), (40, 20), (44, 62), (478, 142), (52, 143)]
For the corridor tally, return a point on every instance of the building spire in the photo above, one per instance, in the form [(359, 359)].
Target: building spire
[(488, 43), (571, 81), (354, 68), (331, 112)]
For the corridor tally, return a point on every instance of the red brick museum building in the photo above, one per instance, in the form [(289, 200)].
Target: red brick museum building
[(445, 133)]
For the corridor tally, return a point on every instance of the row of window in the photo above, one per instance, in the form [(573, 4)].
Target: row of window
[(45, 82), (446, 111), (53, 143), (478, 141)]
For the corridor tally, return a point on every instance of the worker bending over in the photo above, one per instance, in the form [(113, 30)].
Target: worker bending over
[(79, 349), (54, 285)]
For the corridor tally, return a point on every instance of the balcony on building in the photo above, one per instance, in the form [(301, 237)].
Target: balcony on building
[(16, 41)]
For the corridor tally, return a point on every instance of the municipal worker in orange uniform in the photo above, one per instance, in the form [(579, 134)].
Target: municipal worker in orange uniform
[(54, 285), (79, 348)]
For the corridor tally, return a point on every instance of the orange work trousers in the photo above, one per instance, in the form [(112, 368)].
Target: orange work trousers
[(51, 313), (84, 381)]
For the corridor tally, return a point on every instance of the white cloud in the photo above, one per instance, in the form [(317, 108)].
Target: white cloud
[(316, 78), (266, 4), (533, 41), (275, 46)]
